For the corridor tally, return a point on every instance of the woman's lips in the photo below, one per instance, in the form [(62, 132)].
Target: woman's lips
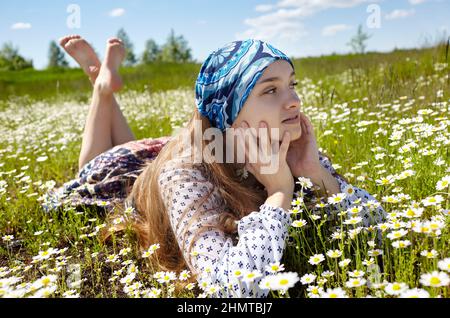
[(292, 120)]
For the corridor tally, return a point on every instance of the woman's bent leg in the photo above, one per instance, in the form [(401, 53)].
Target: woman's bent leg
[(97, 131), (120, 131)]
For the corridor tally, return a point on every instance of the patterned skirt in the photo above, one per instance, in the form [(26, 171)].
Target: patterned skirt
[(108, 178)]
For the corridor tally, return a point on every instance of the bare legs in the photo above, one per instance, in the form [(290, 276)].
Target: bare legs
[(105, 125)]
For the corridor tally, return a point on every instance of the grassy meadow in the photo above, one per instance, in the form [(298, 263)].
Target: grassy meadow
[(383, 118)]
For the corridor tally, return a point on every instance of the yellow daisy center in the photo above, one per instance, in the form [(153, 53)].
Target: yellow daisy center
[(46, 281), (435, 281)]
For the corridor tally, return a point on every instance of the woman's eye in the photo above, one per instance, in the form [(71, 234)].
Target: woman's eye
[(273, 89)]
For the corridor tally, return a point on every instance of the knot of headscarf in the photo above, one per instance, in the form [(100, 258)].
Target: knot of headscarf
[(227, 77)]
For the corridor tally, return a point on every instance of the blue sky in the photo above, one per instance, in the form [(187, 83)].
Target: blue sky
[(297, 27)]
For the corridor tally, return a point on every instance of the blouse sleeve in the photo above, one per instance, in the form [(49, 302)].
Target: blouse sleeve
[(371, 212), (261, 234)]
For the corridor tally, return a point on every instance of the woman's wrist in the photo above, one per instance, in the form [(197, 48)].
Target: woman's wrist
[(280, 198), (288, 189), (326, 182)]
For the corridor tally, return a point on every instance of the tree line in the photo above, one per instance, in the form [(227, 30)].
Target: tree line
[(175, 50)]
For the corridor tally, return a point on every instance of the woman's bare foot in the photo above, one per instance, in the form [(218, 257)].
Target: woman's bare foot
[(83, 53), (109, 80)]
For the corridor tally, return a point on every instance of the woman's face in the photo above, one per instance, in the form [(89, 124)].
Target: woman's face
[(272, 100)]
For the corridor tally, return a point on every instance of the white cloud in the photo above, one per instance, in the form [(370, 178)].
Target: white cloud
[(331, 30), (263, 7), (414, 2), (283, 30), (21, 26), (309, 7), (399, 13), (283, 20), (118, 12)]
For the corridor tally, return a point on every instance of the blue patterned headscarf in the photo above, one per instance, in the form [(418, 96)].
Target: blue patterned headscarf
[(227, 77)]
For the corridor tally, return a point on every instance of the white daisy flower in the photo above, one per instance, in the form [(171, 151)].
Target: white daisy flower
[(299, 223), (435, 279), (334, 253), (304, 182), (429, 254), (444, 264), (375, 252), (397, 234), (344, 262), (327, 273), (334, 293), (414, 293), (432, 200), (314, 291), (337, 198), (355, 282), (316, 259), (184, 275), (401, 244), (443, 183), (413, 212), (395, 288), (249, 277), (354, 210), (283, 281), (128, 279), (308, 279), (349, 190), (237, 273), (356, 274), (422, 227), (353, 220), (167, 277), (275, 267), (266, 283)]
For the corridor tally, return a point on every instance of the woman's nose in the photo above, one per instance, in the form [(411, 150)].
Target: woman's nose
[(293, 101)]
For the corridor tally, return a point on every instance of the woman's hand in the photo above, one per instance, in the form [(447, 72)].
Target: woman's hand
[(303, 155), (266, 159)]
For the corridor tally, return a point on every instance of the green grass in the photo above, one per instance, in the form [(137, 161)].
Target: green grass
[(73, 84), (362, 106)]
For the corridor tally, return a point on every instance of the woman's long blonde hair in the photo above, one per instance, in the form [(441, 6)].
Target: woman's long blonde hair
[(152, 225)]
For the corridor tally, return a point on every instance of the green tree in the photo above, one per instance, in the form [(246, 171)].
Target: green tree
[(11, 60), (56, 57), (176, 49), (152, 52), (130, 58), (358, 41)]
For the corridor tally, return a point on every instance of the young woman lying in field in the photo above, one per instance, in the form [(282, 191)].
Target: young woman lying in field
[(211, 217)]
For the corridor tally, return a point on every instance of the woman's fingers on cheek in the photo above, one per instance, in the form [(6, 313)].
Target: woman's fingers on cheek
[(264, 138), (242, 146), (306, 123)]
